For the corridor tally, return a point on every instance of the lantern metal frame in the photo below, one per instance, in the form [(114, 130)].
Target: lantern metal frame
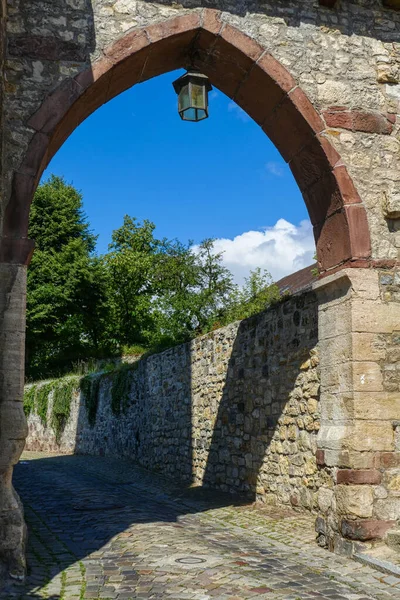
[(192, 106)]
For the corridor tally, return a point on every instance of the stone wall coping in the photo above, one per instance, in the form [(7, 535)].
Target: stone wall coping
[(329, 280)]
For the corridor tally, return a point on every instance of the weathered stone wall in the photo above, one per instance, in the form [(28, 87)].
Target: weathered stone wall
[(13, 428), (260, 423), (237, 410), (359, 345), (346, 59)]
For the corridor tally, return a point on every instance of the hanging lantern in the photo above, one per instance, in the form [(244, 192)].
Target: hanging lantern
[(192, 89)]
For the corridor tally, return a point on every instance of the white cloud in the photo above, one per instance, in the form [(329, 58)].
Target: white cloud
[(281, 249), (275, 168), (238, 112)]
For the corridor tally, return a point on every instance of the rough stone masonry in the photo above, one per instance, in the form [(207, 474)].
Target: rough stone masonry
[(237, 410), (322, 80), (241, 410)]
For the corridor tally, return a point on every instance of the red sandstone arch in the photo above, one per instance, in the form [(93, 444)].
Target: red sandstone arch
[(253, 78)]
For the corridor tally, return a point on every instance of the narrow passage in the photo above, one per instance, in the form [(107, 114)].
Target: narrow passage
[(105, 528)]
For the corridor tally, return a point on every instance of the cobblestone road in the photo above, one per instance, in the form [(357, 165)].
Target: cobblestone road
[(102, 528)]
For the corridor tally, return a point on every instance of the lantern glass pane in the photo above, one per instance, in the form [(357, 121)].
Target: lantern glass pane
[(184, 98), (197, 93), (190, 114), (201, 114)]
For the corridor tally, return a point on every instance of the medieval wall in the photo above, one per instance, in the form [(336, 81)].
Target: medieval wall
[(237, 409)]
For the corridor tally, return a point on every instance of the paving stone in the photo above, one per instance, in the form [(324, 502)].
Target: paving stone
[(232, 551)]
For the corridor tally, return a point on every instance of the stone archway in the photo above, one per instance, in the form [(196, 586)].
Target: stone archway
[(244, 71), (252, 77)]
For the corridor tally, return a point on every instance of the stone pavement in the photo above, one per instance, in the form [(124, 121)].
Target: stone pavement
[(104, 528)]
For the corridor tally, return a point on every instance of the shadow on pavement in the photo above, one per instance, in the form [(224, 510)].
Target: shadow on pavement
[(73, 507)]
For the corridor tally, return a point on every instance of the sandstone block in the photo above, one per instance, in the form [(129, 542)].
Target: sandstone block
[(357, 460), (325, 498), (393, 538), (336, 406), (339, 379), (367, 529), (368, 347), (354, 500), (367, 377), (373, 317), (387, 509), (356, 120), (369, 436), (358, 477), (332, 435), (334, 320), (386, 460), (383, 406), (392, 481), (335, 350)]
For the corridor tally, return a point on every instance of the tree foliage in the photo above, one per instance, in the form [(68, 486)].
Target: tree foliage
[(130, 266), (257, 293), (144, 291), (66, 296)]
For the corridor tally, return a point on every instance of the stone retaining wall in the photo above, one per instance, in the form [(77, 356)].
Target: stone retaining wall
[(237, 409)]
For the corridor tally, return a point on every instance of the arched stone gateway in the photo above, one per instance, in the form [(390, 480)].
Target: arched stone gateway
[(323, 83), (243, 70)]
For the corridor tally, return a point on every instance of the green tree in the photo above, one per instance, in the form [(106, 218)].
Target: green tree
[(215, 286), (57, 218), (163, 291), (257, 293), (176, 279), (131, 265), (194, 287), (144, 291), (66, 284)]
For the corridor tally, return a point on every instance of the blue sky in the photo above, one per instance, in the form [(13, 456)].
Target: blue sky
[(220, 178)]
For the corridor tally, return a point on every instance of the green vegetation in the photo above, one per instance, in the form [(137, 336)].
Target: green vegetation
[(37, 396), (29, 399), (66, 299), (82, 569), (120, 389), (143, 296), (42, 400), (257, 293), (90, 390), (62, 397)]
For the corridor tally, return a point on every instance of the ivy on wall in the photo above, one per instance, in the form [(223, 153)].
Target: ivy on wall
[(62, 398), (37, 396), (120, 389), (29, 399), (89, 387), (42, 400)]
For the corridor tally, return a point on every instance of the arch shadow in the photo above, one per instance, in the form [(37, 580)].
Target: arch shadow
[(256, 449), (74, 513)]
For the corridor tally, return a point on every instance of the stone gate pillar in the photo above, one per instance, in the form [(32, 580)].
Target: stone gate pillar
[(13, 428), (359, 439)]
